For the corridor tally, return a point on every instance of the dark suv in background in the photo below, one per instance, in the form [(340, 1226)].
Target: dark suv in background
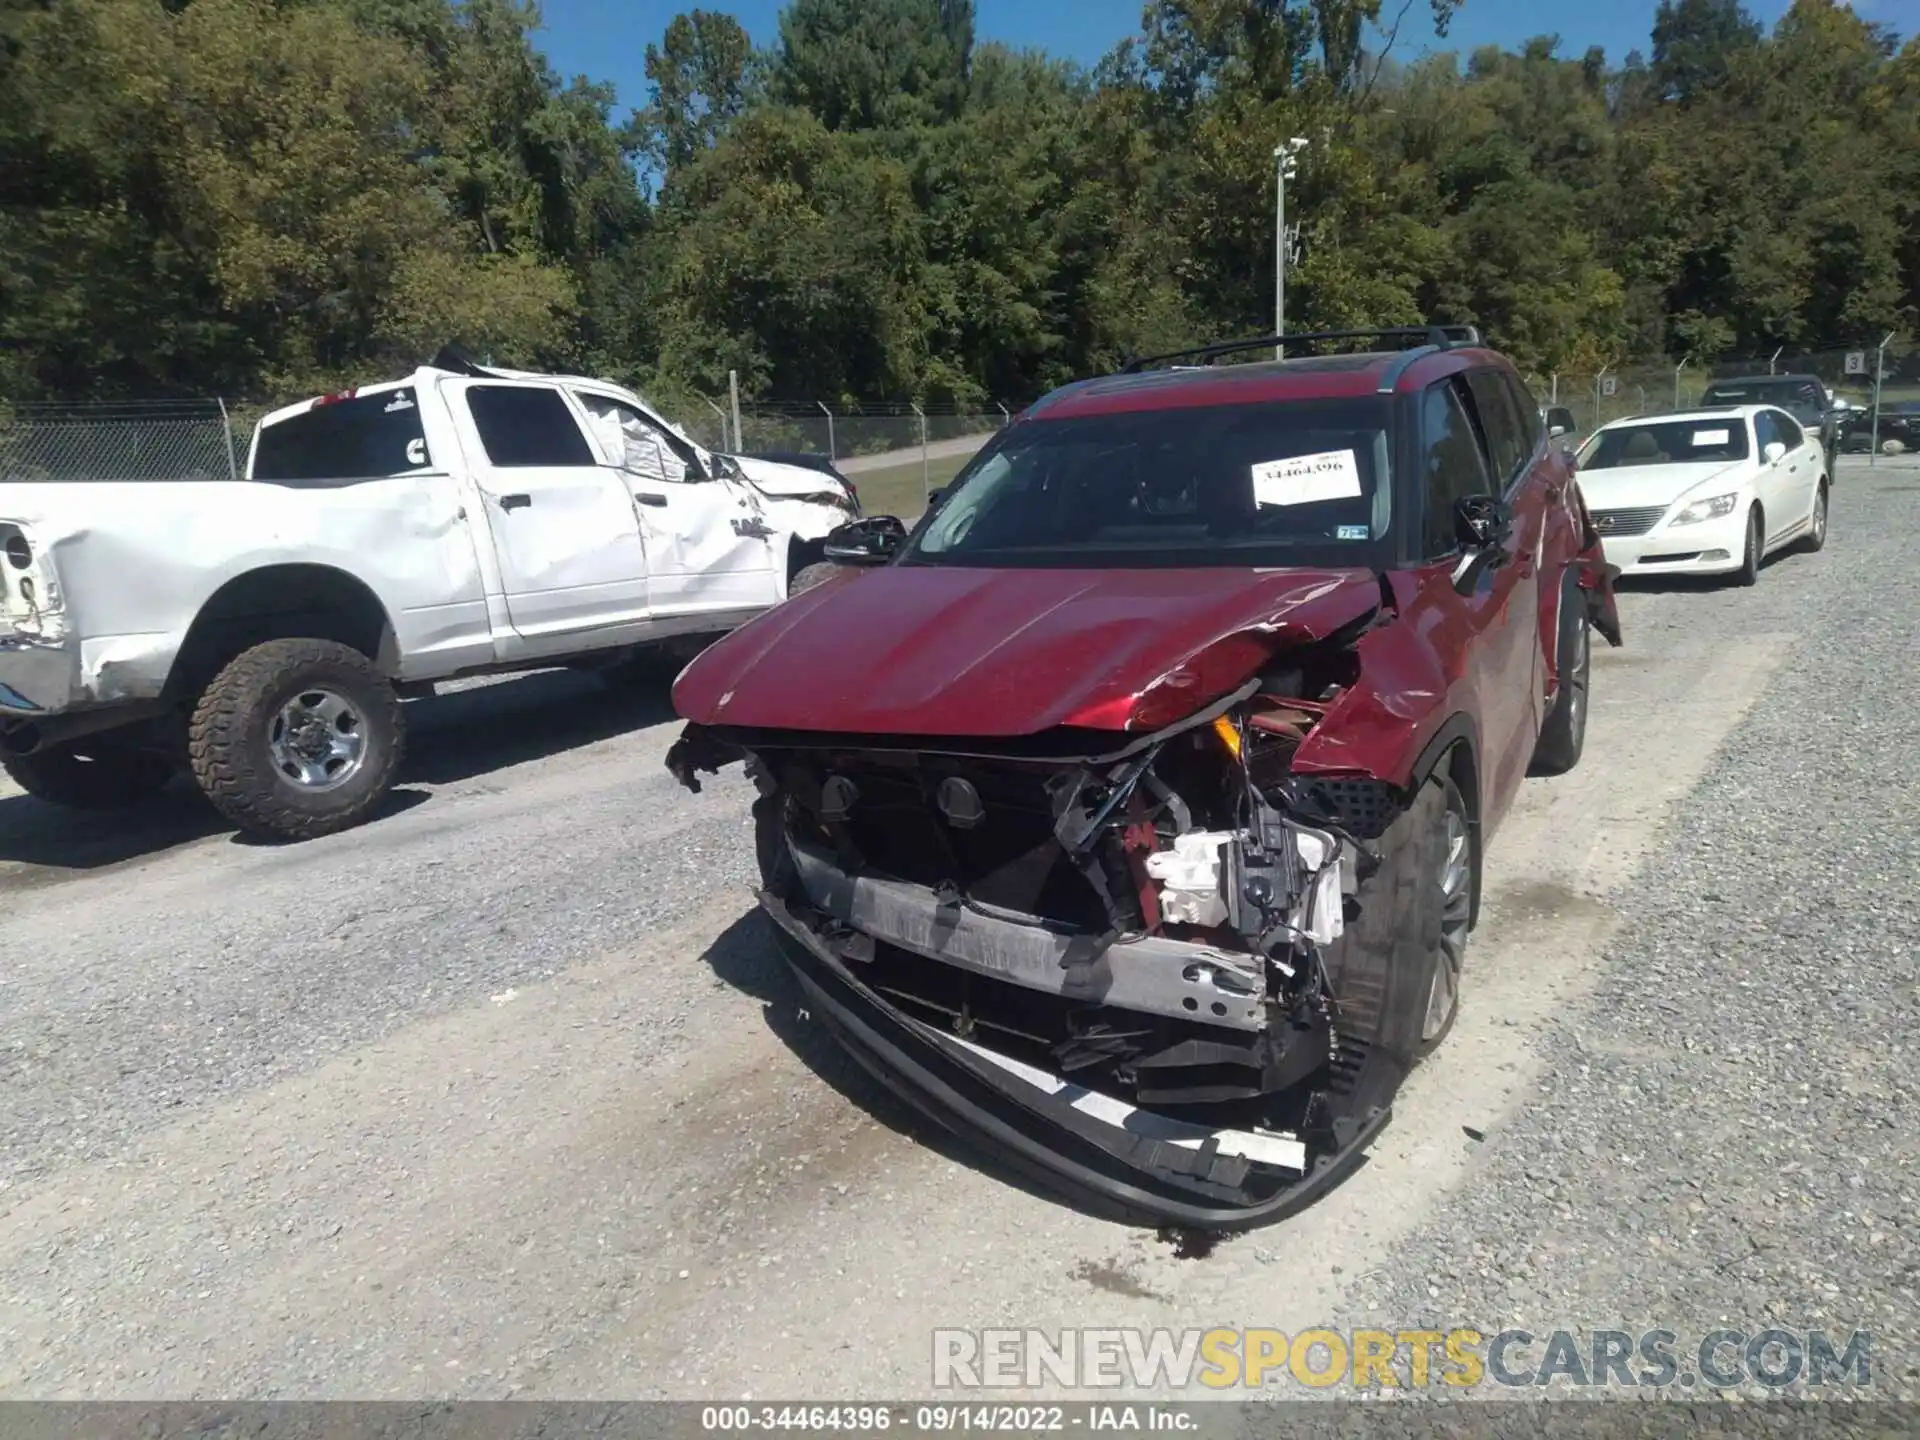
[(1805, 397)]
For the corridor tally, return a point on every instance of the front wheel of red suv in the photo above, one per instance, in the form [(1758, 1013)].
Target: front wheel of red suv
[(1396, 970)]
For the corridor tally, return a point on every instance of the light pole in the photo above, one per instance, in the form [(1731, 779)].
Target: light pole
[(1879, 370), (1286, 160)]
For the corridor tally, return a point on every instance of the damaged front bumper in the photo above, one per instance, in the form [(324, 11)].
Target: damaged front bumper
[(37, 674), (1114, 1159)]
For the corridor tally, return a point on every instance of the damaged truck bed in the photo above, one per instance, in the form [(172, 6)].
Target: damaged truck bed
[(1154, 879)]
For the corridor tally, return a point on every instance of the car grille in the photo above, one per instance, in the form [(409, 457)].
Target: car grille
[(1627, 522)]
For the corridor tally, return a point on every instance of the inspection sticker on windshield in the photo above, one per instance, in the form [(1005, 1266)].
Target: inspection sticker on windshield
[(1711, 437), (1306, 479)]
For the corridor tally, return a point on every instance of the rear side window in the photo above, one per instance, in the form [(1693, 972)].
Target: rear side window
[(1450, 465), (1506, 441), (369, 436), (526, 425)]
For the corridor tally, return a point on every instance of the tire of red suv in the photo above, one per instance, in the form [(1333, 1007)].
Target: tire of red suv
[(1395, 971), (1563, 735)]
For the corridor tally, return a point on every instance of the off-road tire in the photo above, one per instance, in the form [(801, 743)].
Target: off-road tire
[(808, 576), (90, 774), (1563, 735), (1816, 540), (227, 739), (1748, 575)]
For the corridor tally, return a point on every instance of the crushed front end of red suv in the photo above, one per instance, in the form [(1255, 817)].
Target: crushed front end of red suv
[(1129, 818)]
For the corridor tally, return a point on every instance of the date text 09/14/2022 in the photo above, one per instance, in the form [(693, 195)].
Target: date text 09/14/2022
[(937, 1419)]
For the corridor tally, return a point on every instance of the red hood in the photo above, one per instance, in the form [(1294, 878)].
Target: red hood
[(937, 650)]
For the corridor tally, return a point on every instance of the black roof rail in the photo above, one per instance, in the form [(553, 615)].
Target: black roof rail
[(1440, 337)]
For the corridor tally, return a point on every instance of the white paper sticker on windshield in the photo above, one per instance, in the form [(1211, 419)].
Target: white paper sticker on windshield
[(1711, 437), (1305, 479)]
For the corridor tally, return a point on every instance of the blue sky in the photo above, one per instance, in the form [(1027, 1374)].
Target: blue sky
[(607, 39)]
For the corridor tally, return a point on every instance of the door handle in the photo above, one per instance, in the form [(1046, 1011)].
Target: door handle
[(647, 497), (515, 502)]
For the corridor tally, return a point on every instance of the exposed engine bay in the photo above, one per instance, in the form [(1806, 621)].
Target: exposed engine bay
[(1165, 936)]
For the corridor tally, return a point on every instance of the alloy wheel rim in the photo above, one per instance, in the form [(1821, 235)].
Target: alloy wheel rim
[(1456, 907), (318, 740), (1820, 516)]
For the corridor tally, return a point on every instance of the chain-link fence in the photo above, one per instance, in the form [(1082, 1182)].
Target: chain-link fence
[(844, 432), (1880, 382), (153, 440), (208, 440)]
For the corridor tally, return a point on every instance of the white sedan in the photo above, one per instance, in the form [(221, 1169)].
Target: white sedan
[(1705, 492)]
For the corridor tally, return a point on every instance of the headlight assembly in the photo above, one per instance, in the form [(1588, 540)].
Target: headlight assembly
[(1713, 509)]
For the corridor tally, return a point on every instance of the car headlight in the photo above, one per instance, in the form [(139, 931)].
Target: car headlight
[(1712, 509)]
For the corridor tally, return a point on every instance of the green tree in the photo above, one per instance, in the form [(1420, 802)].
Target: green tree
[(703, 75), (1695, 44), (875, 64)]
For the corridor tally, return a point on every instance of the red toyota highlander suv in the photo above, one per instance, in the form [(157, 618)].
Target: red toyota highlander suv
[(1127, 815)]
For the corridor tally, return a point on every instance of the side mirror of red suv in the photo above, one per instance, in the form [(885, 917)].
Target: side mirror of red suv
[(1481, 522)]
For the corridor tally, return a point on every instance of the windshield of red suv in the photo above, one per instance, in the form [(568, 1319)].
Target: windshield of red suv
[(1304, 482)]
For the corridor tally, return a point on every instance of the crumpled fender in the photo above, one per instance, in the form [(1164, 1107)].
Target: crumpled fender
[(1596, 575), (802, 519), (1382, 724)]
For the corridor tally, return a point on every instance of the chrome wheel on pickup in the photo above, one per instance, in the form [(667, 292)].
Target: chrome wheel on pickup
[(318, 740)]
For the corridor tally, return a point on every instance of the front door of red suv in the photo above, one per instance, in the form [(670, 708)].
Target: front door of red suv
[(1492, 624)]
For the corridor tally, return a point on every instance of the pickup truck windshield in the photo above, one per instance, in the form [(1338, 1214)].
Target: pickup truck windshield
[(371, 436), (1801, 398), (1304, 482)]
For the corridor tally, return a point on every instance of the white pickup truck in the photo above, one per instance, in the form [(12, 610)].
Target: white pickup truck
[(262, 633)]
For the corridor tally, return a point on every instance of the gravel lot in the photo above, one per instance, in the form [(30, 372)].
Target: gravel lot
[(506, 1093), (1727, 1129)]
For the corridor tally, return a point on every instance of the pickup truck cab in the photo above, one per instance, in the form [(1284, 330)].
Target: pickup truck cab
[(459, 521)]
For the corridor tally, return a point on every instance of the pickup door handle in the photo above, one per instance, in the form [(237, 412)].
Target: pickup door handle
[(515, 502), (647, 497)]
